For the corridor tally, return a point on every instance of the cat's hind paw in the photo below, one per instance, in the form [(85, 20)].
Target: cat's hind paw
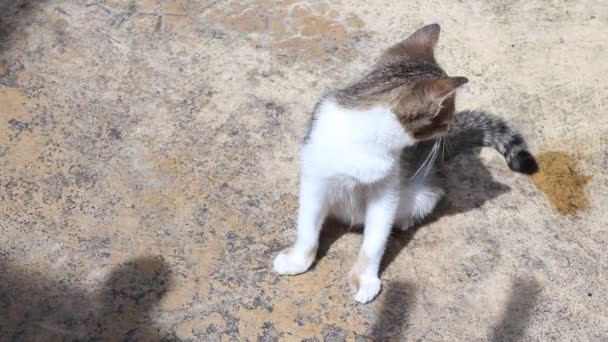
[(288, 262), (368, 289)]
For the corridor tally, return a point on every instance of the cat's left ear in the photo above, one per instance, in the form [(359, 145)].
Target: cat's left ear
[(439, 89), (419, 45)]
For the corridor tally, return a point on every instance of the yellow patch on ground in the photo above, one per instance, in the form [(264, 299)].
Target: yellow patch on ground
[(23, 152), (559, 179), (12, 105)]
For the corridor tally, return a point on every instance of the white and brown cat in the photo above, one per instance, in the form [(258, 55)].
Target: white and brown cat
[(358, 163)]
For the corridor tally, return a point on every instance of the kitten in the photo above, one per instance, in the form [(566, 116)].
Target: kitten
[(370, 155)]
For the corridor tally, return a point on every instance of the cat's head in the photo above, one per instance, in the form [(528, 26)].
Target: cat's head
[(409, 81), (424, 103)]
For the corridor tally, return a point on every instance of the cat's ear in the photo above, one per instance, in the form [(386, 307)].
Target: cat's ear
[(419, 45), (437, 90)]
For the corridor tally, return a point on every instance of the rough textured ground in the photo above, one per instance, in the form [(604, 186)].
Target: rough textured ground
[(148, 155)]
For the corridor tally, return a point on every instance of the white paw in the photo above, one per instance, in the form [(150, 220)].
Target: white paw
[(368, 289), (290, 263)]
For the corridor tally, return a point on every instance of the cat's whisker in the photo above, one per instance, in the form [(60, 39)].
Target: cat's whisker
[(430, 159), (422, 165), (448, 145), (426, 160), (433, 158)]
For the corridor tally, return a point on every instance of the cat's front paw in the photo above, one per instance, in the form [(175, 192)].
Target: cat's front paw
[(288, 262), (367, 289)]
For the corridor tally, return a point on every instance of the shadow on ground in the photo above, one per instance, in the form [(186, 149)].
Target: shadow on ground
[(518, 311), (392, 319), (397, 300), (469, 185), (35, 308), (15, 15)]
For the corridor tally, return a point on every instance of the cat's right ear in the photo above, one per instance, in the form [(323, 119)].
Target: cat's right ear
[(419, 45)]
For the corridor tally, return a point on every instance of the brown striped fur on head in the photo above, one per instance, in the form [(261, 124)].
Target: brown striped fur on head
[(427, 107), (409, 81)]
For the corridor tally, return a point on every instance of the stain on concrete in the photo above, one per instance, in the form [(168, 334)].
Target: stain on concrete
[(561, 181), (299, 29), (12, 107)]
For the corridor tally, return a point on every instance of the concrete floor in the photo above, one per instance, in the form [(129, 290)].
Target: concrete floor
[(148, 154)]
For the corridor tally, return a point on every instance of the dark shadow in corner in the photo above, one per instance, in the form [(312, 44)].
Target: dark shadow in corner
[(12, 15), (34, 308), (392, 320), (469, 185), (516, 316), (15, 15)]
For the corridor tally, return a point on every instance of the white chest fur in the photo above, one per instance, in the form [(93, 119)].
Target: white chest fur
[(362, 144)]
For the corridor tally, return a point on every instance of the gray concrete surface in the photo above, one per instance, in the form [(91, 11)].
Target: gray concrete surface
[(148, 155)]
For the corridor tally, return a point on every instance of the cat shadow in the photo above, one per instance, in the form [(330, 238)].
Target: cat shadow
[(469, 185), (37, 307), (394, 312)]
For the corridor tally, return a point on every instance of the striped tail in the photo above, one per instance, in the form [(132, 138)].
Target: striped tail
[(470, 129)]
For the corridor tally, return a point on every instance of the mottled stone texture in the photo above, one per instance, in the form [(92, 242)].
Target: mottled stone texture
[(148, 157)]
